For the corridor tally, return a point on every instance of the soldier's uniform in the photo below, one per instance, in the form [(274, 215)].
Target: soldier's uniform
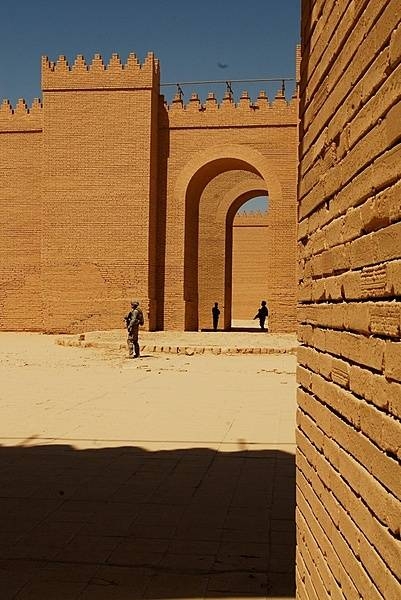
[(133, 320), (216, 314), (262, 314)]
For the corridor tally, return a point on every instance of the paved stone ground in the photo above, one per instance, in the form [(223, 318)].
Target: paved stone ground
[(167, 477)]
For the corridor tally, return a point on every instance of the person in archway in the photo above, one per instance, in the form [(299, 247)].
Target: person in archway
[(215, 314), (132, 321), (262, 314)]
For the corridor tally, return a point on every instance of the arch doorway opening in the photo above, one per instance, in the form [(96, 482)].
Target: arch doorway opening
[(251, 253), (214, 193), (215, 249)]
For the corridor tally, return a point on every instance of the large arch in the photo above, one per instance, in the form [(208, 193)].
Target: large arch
[(216, 245), (206, 161), (190, 186)]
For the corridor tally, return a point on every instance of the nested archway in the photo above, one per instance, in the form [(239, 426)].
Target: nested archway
[(216, 242), (214, 185)]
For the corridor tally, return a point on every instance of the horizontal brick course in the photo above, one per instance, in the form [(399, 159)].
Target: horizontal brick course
[(349, 273)]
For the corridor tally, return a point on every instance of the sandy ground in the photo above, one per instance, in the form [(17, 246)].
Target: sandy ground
[(171, 476)]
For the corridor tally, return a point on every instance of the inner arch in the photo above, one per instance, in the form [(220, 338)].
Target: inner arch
[(251, 252), (201, 182), (218, 204)]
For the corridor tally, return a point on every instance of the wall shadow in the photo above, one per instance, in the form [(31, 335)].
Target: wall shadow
[(161, 211), (123, 522)]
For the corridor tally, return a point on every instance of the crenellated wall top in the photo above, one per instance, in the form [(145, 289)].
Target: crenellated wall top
[(211, 113), (21, 118), (59, 75), (254, 218)]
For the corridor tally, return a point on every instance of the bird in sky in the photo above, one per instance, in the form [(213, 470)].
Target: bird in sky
[(222, 65)]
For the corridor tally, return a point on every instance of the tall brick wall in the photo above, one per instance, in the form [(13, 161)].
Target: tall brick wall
[(349, 374), (20, 216), (205, 142), (252, 253), (98, 188), (107, 194)]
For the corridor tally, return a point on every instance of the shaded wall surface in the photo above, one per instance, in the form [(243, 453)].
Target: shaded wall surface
[(349, 429)]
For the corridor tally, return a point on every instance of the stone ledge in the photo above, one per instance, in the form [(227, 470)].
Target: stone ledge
[(186, 350)]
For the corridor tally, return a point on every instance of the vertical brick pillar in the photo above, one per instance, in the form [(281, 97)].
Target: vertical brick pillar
[(20, 216), (99, 190)]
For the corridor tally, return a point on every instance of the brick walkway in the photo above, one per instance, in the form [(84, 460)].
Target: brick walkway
[(245, 339), (171, 477)]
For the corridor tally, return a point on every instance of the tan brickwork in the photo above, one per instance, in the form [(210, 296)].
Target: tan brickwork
[(217, 207), (252, 253), (97, 190), (227, 138), (349, 397), (131, 197), (20, 216)]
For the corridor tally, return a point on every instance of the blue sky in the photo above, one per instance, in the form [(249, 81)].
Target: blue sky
[(254, 39)]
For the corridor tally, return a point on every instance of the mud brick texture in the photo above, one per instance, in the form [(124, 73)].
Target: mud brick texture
[(107, 193), (349, 269), (252, 251)]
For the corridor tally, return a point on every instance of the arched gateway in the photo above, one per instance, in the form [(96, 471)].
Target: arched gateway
[(122, 194)]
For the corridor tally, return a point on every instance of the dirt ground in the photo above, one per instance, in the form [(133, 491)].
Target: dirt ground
[(171, 476)]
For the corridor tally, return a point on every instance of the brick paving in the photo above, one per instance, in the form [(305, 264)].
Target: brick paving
[(245, 338), (164, 478)]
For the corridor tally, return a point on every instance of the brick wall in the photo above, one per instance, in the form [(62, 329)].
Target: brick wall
[(348, 421), (205, 143), (252, 253), (109, 194), (98, 190), (20, 216), (217, 269)]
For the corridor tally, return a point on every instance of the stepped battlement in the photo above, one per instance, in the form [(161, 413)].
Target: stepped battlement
[(60, 76), (254, 218), (211, 112), (21, 118)]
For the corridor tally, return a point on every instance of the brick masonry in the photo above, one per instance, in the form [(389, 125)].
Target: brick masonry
[(108, 193), (349, 253), (252, 252), (217, 158)]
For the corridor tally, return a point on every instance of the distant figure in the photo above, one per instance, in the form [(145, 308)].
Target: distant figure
[(132, 321), (262, 313), (216, 314)]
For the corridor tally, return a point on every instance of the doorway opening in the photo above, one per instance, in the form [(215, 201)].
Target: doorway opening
[(214, 193), (250, 256)]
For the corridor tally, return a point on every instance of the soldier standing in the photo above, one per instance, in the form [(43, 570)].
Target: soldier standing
[(215, 313), (132, 321), (262, 313)]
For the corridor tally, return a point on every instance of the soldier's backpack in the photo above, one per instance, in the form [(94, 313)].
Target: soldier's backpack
[(140, 318)]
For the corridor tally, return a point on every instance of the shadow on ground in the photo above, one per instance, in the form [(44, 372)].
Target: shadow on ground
[(124, 523)]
